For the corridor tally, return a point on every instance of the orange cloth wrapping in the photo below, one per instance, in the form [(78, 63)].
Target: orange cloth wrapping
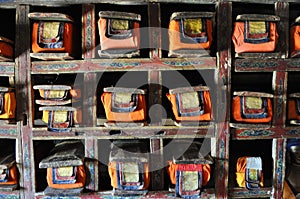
[(236, 112), (240, 172), (67, 39), (204, 117), (9, 106), (292, 110), (295, 38), (172, 167), (113, 173), (80, 179), (77, 116), (137, 115), (174, 37), (13, 176), (6, 49), (106, 43), (241, 46)]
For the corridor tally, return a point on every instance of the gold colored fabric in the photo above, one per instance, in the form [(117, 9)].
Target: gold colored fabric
[(253, 102), (190, 180), (193, 26), (120, 24), (190, 100), (65, 171), (50, 29), (60, 116), (122, 98), (130, 172), (257, 27)]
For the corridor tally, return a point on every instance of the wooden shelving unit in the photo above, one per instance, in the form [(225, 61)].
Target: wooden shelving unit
[(154, 71)]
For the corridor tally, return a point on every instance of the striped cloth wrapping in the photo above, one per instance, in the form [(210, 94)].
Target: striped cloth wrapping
[(50, 34), (257, 31), (254, 107)]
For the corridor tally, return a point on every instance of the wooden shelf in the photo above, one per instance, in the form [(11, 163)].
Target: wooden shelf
[(127, 133), (208, 194), (244, 193), (266, 65), (112, 65), (7, 68)]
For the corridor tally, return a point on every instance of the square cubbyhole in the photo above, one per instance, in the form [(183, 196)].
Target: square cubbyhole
[(111, 82), (52, 155), (190, 79), (11, 173), (293, 99), (244, 148), (176, 150), (251, 99), (57, 90), (294, 14), (167, 11), (121, 153), (7, 34), (58, 34), (265, 41), (132, 23)]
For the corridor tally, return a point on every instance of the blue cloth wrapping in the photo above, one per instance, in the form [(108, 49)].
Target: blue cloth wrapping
[(62, 127), (292, 142), (264, 114), (122, 185), (256, 38), (253, 173), (184, 38), (48, 42), (124, 108), (297, 104), (185, 194), (71, 180), (6, 173), (200, 111), (1, 102)]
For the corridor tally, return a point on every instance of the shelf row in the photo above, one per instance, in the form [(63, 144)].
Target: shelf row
[(193, 28), (239, 149)]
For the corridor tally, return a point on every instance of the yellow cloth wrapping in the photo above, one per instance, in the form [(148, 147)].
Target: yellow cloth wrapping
[(241, 174), (9, 106)]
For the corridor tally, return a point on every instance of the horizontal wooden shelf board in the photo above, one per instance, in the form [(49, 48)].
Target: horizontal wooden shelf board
[(266, 65), (249, 133), (10, 195), (8, 130), (126, 133), (7, 68), (244, 193), (208, 194), (101, 65)]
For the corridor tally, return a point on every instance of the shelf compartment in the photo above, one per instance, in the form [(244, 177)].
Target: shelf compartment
[(72, 11), (242, 148), (246, 8), (139, 9), (167, 11), (42, 150)]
